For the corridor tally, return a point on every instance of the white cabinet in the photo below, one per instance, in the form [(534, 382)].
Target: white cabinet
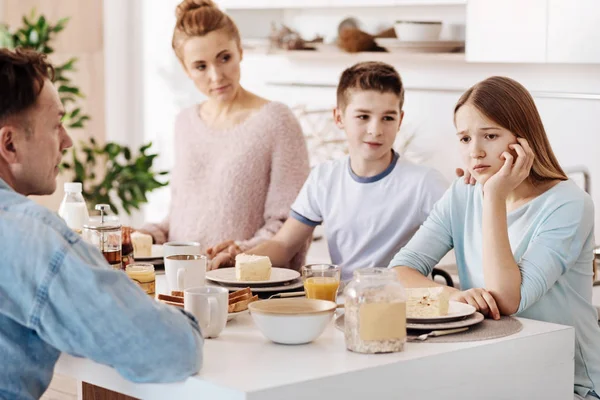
[(573, 31), (506, 31)]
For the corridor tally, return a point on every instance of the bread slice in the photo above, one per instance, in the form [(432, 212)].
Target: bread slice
[(241, 305), (239, 295)]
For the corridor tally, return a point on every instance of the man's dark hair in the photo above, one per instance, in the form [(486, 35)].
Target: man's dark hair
[(22, 76)]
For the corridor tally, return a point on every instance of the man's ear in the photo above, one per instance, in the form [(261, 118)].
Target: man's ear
[(337, 118), (8, 148)]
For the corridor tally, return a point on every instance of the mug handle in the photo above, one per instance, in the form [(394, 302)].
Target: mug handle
[(181, 279), (213, 305)]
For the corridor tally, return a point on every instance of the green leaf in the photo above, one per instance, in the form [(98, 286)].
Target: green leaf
[(145, 147), (68, 89)]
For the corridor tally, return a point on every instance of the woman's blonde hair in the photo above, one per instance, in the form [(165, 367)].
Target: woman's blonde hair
[(199, 18), (509, 104)]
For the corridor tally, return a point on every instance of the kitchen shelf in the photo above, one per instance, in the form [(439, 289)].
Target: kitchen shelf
[(341, 56), (295, 4)]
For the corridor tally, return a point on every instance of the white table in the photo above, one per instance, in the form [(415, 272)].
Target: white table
[(536, 363)]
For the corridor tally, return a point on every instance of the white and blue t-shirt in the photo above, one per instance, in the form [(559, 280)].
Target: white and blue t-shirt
[(367, 220)]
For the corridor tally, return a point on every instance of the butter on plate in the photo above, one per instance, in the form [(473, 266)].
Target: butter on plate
[(250, 268)]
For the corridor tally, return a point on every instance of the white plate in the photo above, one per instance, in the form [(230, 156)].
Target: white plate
[(233, 315), (456, 311), (295, 284), (471, 320), (437, 46), (227, 276), (157, 253)]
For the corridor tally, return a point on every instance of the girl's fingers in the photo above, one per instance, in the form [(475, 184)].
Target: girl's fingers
[(522, 158), (508, 161), (470, 300), (527, 148), (494, 311)]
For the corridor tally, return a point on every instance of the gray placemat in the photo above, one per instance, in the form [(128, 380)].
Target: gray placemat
[(485, 330)]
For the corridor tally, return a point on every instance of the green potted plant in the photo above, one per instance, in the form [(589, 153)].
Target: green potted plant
[(107, 172)]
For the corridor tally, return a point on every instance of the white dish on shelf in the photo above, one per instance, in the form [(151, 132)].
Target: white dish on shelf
[(227, 276), (436, 46), (421, 31)]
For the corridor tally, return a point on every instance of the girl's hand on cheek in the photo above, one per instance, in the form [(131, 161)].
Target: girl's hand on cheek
[(513, 172)]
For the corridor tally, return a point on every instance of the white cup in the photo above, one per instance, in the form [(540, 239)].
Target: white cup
[(181, 248), (185, 271), (208, 304)]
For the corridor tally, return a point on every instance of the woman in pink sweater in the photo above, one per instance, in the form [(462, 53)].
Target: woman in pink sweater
[(240, 160)]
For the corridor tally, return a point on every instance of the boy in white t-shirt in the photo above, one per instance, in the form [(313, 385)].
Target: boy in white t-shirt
[(371, 202)]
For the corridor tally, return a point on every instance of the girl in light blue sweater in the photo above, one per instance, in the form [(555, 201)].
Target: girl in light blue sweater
[(523, 235)]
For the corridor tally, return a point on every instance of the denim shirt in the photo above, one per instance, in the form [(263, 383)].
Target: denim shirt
[(58, 294)]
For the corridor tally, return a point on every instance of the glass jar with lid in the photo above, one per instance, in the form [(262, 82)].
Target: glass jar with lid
[(375, 312), (143, 274), (104, 232)]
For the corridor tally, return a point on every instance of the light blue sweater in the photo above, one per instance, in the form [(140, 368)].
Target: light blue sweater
[(552, 238)]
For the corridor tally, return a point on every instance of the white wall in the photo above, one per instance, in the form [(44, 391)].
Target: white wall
[(432, 90)]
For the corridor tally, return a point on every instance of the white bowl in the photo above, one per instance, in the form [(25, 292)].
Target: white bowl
[(292, 321), (418, 31)]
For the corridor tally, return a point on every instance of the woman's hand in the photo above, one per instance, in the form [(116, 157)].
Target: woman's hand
[(469, 180), (223, 254), (228, 246), (221, 260), (513, 172), (479, 298)]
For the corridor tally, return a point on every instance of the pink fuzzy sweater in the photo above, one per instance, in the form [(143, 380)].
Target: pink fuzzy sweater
[(237, 183)]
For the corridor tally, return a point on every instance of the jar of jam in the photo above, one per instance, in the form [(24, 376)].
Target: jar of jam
[(143, 275)]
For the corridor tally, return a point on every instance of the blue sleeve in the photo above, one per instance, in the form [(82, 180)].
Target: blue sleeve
[(562, 239), (306, 206), (431, 242), (77, 304)]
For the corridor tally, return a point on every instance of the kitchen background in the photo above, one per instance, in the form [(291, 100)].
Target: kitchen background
[(548, 45), (135, 86)]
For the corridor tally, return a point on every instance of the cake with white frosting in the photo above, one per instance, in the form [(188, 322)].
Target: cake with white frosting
[(250, 267)]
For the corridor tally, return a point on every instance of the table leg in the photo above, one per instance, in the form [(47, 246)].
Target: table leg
[(93, 392)]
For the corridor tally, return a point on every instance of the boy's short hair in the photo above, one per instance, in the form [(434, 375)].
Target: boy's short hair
[(369, 75)]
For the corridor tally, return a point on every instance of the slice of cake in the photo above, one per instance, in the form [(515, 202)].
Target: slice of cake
[(249, 267), (142, 245), (427, 302)]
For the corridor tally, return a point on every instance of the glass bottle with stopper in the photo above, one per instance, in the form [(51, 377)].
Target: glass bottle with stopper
[(104, 232)]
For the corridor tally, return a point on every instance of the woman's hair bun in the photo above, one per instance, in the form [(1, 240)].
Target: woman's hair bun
[(191, 5)]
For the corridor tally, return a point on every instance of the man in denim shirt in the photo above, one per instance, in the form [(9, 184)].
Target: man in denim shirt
[(57, 293)]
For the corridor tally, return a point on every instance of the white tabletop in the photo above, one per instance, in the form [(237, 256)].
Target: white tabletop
[(243, 364)]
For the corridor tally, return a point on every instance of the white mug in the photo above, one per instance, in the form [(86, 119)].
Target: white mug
[(208, 304), (181, 248), (185, 271)]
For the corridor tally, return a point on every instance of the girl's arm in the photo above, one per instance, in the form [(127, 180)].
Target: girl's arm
[(501, 273)]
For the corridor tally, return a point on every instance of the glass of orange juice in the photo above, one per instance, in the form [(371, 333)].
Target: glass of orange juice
[(321, 281)]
